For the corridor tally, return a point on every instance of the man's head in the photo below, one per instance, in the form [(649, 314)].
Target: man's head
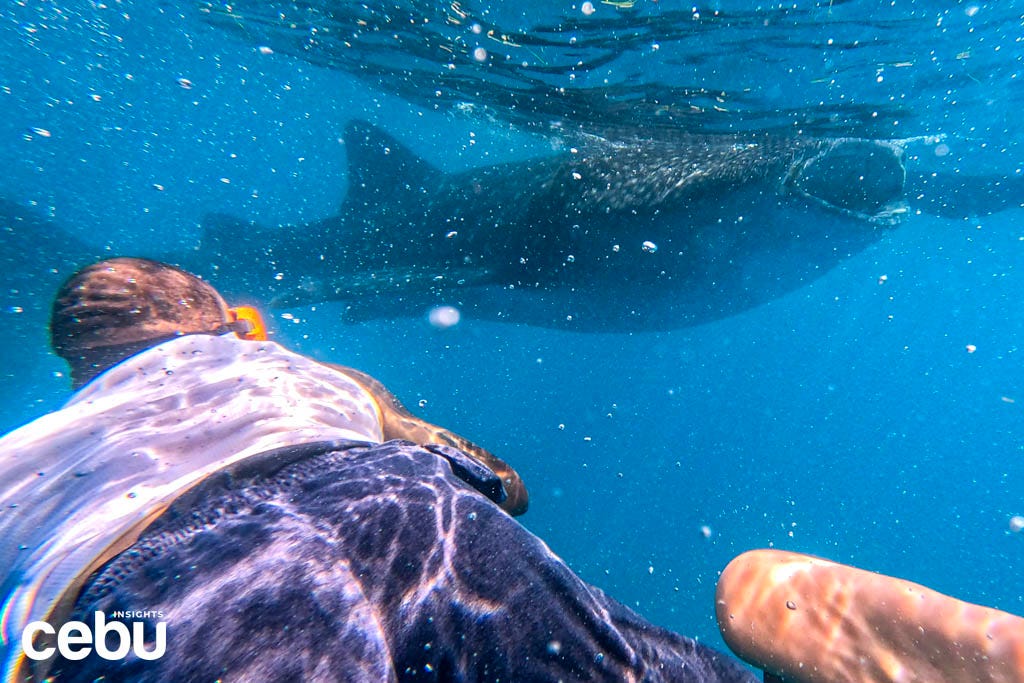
[(115, 308)]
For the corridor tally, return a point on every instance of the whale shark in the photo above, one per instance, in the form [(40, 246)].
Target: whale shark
[(36, 255), (604, 237)]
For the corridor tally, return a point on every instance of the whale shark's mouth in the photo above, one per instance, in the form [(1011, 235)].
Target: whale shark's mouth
[(861, 178)]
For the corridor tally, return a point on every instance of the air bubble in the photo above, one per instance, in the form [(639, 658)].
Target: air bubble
[(443, 317)]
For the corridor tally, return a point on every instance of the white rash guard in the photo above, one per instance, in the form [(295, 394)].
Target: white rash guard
[(73, 483)]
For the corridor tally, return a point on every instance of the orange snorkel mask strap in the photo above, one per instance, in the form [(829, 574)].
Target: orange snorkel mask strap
[(248, 323)]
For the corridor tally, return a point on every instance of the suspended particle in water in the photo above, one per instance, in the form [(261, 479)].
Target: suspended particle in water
[(971, 348), (264, 50), (42, 132), (443, 317), (1016, 524), (587, 8), (705, 531), (882, 279), (185, 83), (480, 54), (650, 247)]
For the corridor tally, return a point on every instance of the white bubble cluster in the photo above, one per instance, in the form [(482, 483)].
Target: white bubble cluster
[(443, 317)]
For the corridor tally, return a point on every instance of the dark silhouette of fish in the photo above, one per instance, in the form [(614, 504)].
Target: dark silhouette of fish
[(36, 254), (617, 236), (606, 236)]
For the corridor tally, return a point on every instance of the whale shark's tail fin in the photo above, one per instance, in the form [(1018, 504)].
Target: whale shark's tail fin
[(342, 257), (236, 254), (302, 264), (38, 254), (382, 170)]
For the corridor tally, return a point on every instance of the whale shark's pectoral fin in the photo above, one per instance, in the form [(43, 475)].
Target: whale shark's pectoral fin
[(381, 170), (384, 284), (238, 255)]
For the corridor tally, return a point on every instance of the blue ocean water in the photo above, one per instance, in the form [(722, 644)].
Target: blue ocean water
[(872, 416)]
